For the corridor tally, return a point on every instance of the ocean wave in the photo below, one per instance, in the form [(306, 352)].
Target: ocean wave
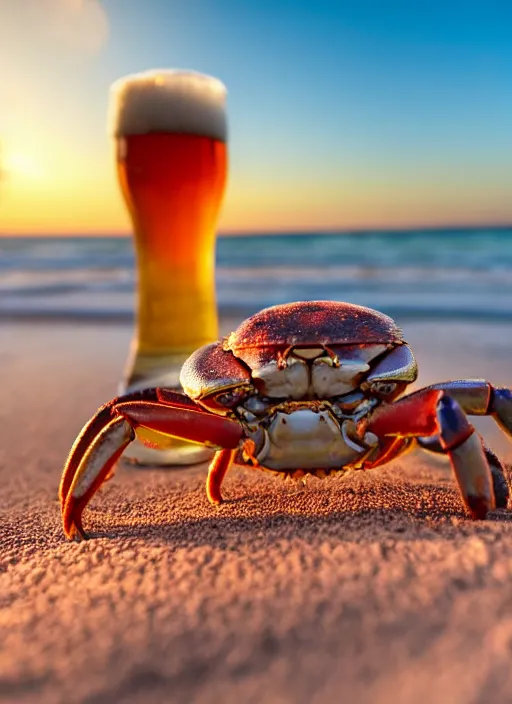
[(23, 282), (463, 275)]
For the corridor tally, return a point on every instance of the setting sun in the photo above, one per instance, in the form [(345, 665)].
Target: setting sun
[(18, 164)]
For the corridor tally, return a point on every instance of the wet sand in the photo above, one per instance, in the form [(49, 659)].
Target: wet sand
[(376, 588)]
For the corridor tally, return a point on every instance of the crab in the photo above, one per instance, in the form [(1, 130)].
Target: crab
[(312, 387)]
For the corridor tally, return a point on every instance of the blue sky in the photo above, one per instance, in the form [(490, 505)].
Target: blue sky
[(341, 114)]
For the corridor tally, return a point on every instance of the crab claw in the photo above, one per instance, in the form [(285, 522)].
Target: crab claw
[(104, 438)]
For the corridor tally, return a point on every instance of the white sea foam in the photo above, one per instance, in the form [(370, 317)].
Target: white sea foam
[(168, 101)]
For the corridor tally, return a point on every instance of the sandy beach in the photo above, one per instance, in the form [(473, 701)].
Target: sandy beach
[(373, 589)]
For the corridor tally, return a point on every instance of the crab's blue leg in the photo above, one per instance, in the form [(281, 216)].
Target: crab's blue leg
[(104, 438), (432, 412)]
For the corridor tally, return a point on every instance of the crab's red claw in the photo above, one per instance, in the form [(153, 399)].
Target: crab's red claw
[(104, 438), (411, 416), (188, 423)]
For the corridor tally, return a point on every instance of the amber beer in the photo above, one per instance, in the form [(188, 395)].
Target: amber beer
[(171, 154)]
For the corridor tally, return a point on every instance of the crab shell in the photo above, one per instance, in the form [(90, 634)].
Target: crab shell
[(301, 351)]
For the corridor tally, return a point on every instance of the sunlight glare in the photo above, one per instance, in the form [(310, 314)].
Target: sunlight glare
[(19, 164)]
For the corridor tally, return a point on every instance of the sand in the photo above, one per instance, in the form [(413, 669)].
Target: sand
[(373, 589)]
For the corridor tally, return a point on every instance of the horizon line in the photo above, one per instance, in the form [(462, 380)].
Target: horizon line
[(286, 232)]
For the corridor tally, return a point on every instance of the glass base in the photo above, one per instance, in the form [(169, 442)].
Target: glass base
[(180, 454), (177, 452)]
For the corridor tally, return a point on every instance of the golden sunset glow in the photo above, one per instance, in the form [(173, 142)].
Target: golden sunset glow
[(23, 166), (340, 135), (63, 201)]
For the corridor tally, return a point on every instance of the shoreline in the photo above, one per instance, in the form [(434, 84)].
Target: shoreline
[(94, 316)]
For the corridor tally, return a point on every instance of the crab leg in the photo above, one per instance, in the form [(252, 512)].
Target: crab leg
[(464, 448), (499, 480), (478, 397), (431, 412), (96, 465), (222, 461), (104, 438)]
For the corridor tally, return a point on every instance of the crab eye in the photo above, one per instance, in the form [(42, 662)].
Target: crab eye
[(230, 399), (384, 388), (226, 399)]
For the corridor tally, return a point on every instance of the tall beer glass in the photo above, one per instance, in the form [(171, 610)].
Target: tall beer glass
[(170, 134)]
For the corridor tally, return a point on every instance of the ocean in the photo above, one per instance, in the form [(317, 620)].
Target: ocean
[(448, 274)]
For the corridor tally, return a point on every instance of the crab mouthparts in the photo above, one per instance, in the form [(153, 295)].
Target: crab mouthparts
[(308, 352), (311, 353)]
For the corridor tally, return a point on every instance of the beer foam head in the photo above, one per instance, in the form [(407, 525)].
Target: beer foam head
[(168, 101)]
